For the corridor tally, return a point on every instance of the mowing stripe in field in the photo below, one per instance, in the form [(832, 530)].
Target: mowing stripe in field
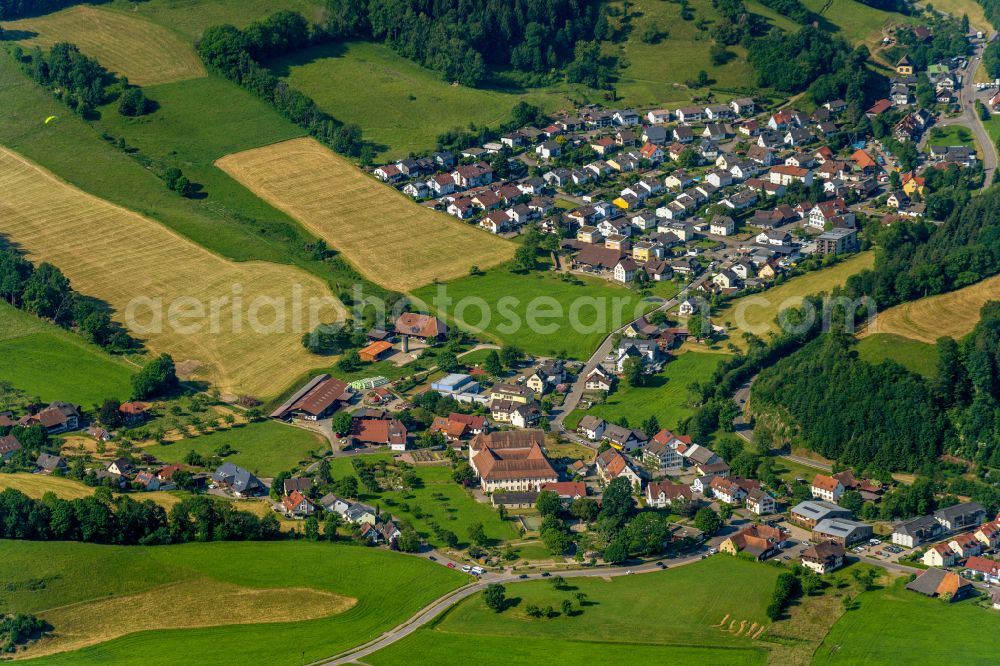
[(954, 314), (389, 238), (118, 256), (148, 54)]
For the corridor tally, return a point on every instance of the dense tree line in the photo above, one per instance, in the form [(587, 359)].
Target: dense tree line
[(82, 83), (968, 384), (44, 291), (793, 9), (466, 39), (859, 414), (103, 518), (231, 52), (921, 259), (992, 10)]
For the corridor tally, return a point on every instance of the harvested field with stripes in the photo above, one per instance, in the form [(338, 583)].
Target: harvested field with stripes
[(235, 325), (147, 53), (390, 239)]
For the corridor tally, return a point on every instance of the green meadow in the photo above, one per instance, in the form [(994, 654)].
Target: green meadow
[(664, 396), (437, 501), (400, 105), (503, 306), (42, 577), (48, 362), (191, 17), (264, 448), (894, 626), (913, 355), (623, 616)]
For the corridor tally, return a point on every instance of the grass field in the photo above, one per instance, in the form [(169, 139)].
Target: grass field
[(46, 361), (571, 319), (264, 448), (624, 617), (143, 51), (440, 500), (856, 22), (952, 135), (332, 598), (401, 105), (666, 396), (387, 237), (971, 8), (920, 357), (890, 627), (756, 313), (927, 319), (36, 485), (191, 17), (53, 221)]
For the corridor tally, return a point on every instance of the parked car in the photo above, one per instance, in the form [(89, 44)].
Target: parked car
[(466, 568), (451, 565)]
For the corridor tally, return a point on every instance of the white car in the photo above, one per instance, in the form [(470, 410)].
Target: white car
[(479, 571), (466, 568)]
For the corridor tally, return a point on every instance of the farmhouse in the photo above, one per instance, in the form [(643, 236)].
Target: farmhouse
[(379, 432), (760, 541), (420, 326), (566, 490), (524, 499), (598, 380), (592, 427), (47, 463), (57, 418), (941, 583), (827, 488), (318, 399), (456, 425), (8, 447)]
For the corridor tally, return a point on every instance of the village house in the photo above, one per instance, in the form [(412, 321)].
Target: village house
[(379, 432), (598, 380), (611, 464), (661, 453), (983, 569), (9, 445), (759, 502), (940, 555), (48, 464), (592, 427), (238, 481), (966, 545), (661, 494), (827, 488), (917, 531), (297, 505), (58, 417), (823, 557), (989, 534)]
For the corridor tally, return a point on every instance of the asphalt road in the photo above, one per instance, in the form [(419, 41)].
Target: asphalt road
[(970, 119), (440, 605), (576, 393)]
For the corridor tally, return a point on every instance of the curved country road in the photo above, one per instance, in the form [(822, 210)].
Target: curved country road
[(433, 610)]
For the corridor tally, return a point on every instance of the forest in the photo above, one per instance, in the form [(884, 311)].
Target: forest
[(45, 292), (466, 40), (12, 9), (859, 414)]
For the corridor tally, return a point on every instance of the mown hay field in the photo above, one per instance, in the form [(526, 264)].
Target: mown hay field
[(143, 51), (118, 256), (927, 319), (391, 240), (756, 313)]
